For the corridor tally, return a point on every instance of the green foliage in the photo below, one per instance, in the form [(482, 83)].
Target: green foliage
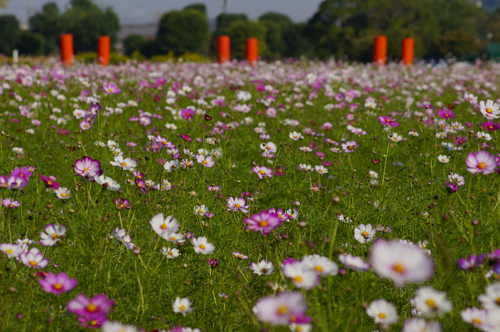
[(224, 20), (48, 24), (31, 43), (199, 7), (9, 34), (183, 31), (87, 57), (87, 21), (133, 43), (240, 31)]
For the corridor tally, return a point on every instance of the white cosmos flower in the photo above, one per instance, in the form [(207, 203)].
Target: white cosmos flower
[(182, 306), (170, 252), (262, 268), (62, 193), (430, 302), (444, 159), (382, 312), (127, 164), (491, 299), (107, 182), (202, 246)]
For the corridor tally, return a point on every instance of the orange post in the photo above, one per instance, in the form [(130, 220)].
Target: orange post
[(407, 51), (380, 50), (103, 48), (224, 49), (252, 50), (67, 55)]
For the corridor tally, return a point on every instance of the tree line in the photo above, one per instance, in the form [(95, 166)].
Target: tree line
[(341, 28)]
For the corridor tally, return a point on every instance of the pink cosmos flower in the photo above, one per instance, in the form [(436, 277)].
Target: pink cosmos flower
[(187, 113), (237, 204), (205, 161), (10, 203), (97, 306), (85, 125), (34, 258), (57, 284), (49, 181), (446, 114), (87, 167), (16, 182), (281, 309), (387, 120), (93, 323), (265, 222), (490, 126), (263, 171), (481, 162), (111, 88), (24, 172), (401, 263)]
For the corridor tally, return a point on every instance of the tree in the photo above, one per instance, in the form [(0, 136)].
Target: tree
[(31, 43), (240, 31), (9, 33), (224, 20), (199, 7), (183, 31), (133, 43), (47, 23), (87, 21)]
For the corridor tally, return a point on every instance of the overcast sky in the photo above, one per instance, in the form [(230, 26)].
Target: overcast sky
[(147, 11)]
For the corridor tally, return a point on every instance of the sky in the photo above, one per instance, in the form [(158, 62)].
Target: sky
[(148, 11)]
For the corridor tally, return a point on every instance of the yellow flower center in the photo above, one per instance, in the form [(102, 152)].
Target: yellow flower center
[(381, 315), (11, 205), (172, 238), (92, 307), (262, 172), (263, 223), (54, 236), (431, 303), (498, 300), (93, 322), (57, 286), (399, 268), (298, 279), (318, 268), (298, 328), (64, 195), (477, 321), (124, 164), (49, 182), (33, 263), (481, 165), (204, 162), (202, 246), (365, 233), (163, 226), (283, 309), (170, 253), (238, 206), (200, 211), (489, 110), (183, 307), (9, 251)]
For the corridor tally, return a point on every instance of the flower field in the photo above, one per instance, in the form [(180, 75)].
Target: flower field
[(287, 196)]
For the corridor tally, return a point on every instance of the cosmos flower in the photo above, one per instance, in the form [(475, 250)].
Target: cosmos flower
[(264, 222), (92, 308), (206, 161), (481, 162), (400, 263), (10, 203), (34, 259), (235, 204), (52, 234), (430, 302), (49, 181), (111, 88), (182, 306), (164, 226), (57, 284), (364, 234), (387, 120), (281, 309), (11, 250), (354, 262), (262, 171), (127, 164), (62, 193), (107, 182), (202, 246), (87, 167), (382, 312)]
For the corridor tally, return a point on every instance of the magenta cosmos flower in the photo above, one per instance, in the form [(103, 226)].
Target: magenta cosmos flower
[(97, 306), (446, 114), (481, 162), (87, 167), (50, 181), (387, 120), (187, 113), (111, 88), (24, 172), (401, 263), (263, 222), (57, 284)]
